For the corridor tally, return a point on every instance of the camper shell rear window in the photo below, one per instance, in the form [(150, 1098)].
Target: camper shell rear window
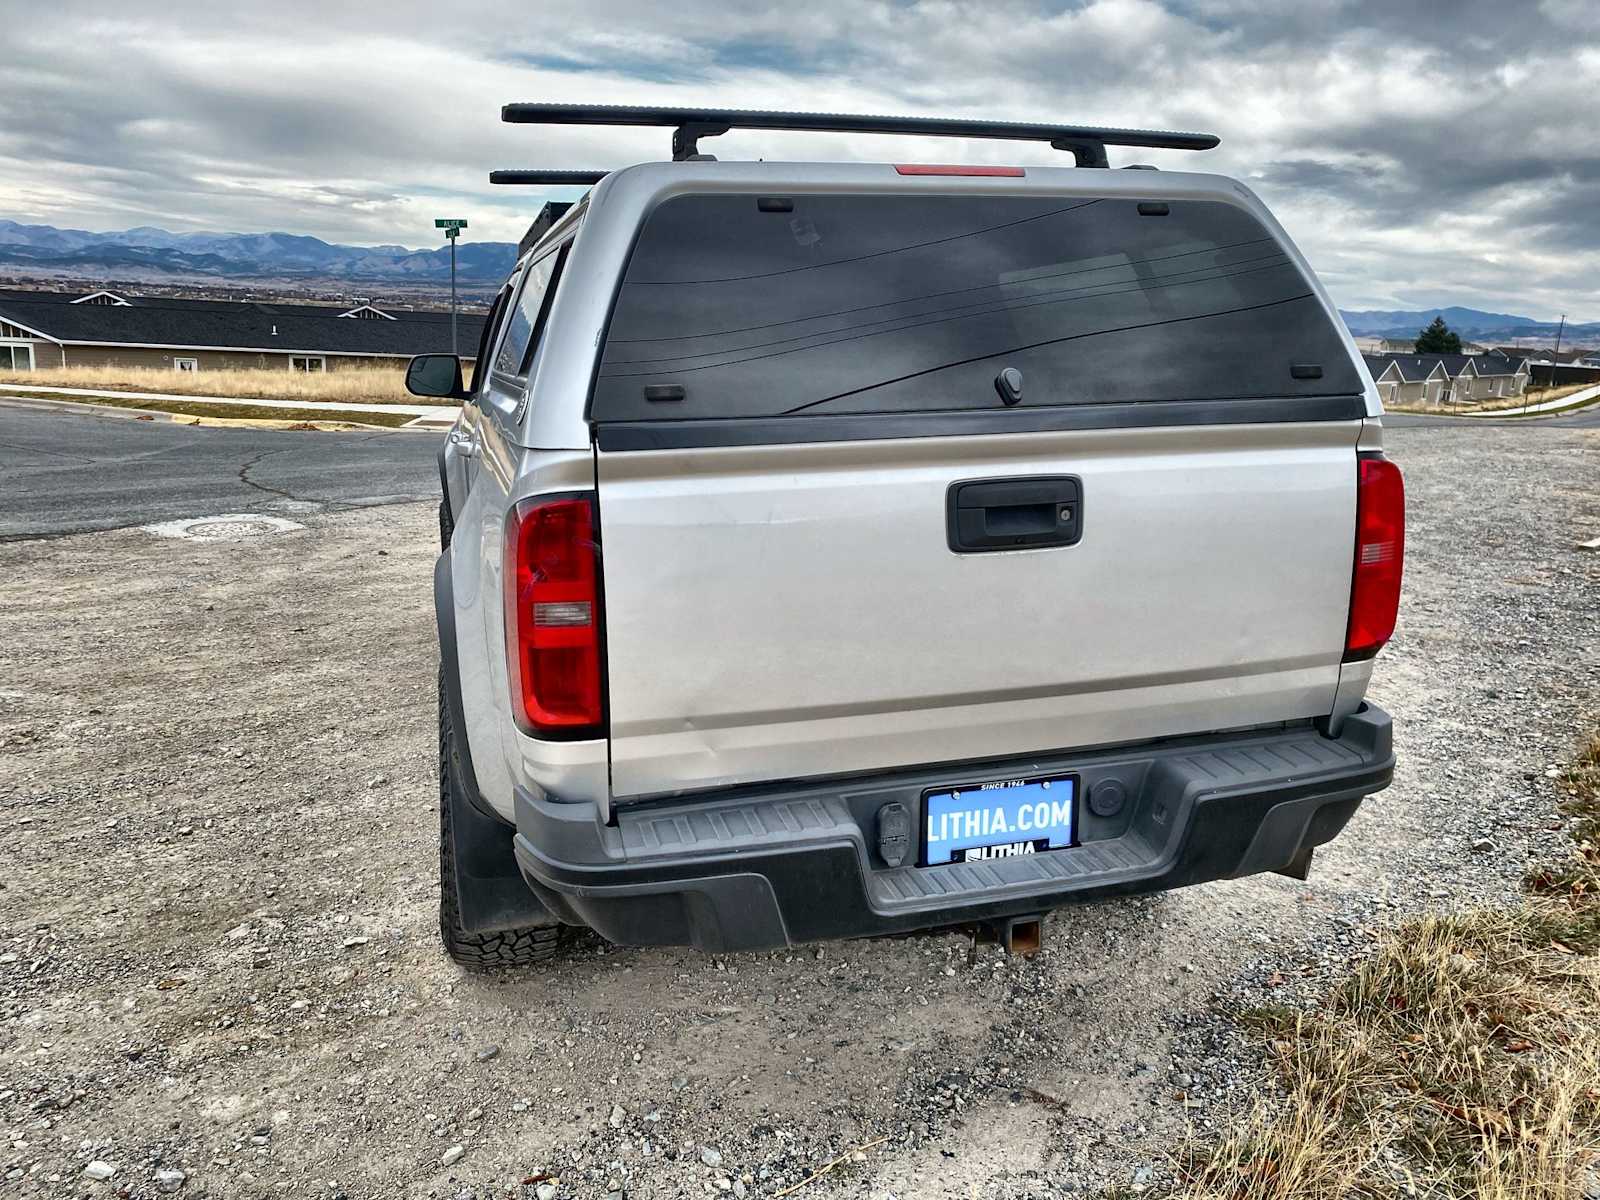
[(765, 307)]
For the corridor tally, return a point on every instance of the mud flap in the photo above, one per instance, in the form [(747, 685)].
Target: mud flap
[(490, 892)]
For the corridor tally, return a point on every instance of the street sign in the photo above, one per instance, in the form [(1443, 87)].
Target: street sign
[(452, 227)]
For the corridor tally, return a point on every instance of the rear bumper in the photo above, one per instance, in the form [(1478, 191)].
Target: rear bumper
[(796, 864)]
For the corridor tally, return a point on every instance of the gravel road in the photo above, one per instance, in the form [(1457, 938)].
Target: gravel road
[(217, 944)]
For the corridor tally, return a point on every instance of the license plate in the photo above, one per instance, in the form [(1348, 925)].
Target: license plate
[(999, 819)]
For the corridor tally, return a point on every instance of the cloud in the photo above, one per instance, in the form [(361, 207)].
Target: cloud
[(1419, 153)]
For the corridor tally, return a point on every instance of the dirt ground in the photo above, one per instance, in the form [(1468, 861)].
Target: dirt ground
[(218, 952)]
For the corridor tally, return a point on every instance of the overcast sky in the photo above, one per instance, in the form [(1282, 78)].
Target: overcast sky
[(1422, 154)]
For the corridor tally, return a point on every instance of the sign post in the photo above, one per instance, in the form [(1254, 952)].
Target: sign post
[(452, 230)]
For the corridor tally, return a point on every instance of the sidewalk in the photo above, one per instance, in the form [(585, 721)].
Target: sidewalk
[(1576, 400), (436, 412)]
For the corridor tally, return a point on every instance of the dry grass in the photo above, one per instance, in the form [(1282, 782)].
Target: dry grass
[(1578, 876), (363, 385), (1462, 1060)]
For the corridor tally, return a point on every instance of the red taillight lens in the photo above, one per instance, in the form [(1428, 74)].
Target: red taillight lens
[(1380, 553), (553, 617)]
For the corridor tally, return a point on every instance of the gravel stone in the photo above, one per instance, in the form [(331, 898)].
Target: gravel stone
[(780, 1061)]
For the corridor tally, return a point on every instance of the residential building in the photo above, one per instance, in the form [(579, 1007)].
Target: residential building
[(1373, 344), (1440, 380), (1411, 380), (102, 328)]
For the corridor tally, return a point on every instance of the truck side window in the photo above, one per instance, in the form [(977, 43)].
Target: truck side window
[(527, 317), (491, 330)]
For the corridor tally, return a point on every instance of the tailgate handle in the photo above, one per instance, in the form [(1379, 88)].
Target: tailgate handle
[(1014, 514)]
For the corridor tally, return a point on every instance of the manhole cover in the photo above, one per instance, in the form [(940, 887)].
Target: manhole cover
[(221, 530), (225, 527)]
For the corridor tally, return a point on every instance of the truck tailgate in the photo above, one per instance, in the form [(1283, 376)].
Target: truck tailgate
[(790, 611)]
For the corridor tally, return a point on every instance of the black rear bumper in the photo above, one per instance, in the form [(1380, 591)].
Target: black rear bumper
[(770, 868)]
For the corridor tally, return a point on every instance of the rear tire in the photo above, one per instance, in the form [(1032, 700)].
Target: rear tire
[(476, 951), (447, 524)]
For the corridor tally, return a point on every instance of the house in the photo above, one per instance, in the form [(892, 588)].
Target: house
[(1531, 353), (1413, 380), (1438, 380), (102, 328), (1498, 374), (1373, 344)]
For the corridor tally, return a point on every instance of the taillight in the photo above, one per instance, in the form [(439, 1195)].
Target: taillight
[(1380, 553), (552, 610)]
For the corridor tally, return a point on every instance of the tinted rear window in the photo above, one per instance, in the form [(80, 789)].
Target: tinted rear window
[(873, 304)]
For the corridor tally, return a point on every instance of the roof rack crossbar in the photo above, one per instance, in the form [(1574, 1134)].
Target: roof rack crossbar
[(1086, 143)]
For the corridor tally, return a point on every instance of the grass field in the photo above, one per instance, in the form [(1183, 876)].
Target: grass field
[(1461, 1059), (364, 385)]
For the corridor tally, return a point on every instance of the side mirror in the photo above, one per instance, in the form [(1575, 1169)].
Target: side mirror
[(437, 376)]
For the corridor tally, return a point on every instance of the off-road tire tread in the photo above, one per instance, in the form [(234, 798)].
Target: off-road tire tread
[(478, 951), (447, 524)]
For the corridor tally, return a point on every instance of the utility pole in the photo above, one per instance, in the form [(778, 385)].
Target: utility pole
[(1555, 361), (452, 230)]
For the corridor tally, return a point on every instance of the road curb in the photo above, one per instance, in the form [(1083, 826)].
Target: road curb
[(89, 409), (90, 395)]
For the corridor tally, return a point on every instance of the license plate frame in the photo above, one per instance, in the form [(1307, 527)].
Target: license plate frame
[(941, 805)]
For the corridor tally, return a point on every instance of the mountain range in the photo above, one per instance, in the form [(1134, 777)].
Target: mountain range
[(157, 255), (1471, 323)]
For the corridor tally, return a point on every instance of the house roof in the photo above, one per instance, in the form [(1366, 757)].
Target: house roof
[(1377, 364), (1414, 368), (235, 325), (1498, 363)]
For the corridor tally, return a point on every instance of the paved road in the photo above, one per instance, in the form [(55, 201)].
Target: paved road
[(70, 473)]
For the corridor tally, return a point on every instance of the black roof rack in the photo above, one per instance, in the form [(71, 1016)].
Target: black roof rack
[(1087, 143)]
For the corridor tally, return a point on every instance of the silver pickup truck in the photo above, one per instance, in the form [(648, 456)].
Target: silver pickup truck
[(845, 549)]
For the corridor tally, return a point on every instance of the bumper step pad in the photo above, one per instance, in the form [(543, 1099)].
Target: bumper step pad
[(799, 863)]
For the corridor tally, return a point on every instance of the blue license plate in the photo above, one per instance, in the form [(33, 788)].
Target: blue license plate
[(999, 819)]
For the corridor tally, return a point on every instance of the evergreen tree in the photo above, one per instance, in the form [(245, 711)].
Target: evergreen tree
[(1438, 338)]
